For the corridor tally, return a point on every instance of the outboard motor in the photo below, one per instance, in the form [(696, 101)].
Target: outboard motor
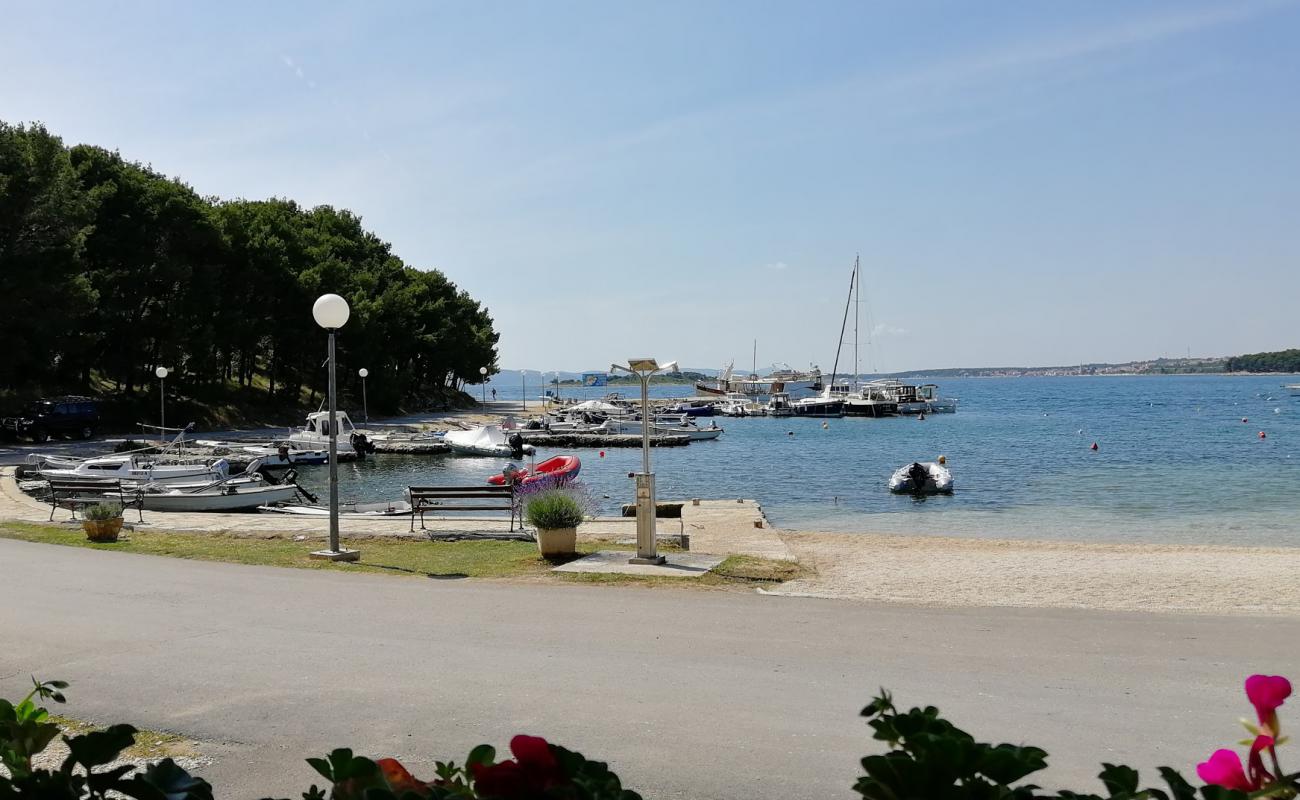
[(918, 475), (361, 445), (516, 443)]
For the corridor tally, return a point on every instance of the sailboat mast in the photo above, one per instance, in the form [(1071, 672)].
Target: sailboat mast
[(857, 313), (853, 281), (754, 367)]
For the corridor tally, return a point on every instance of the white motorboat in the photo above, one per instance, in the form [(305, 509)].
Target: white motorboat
[(736, 404), (224, 497), (138, 469), (282, 455), (627, 427), (488, 440), (921, 477), (779, 405), (923, 399), (315, 435)]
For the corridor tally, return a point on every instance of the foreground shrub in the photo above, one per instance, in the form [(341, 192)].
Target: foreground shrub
[(553, 509), (929, 758), (25, 732)]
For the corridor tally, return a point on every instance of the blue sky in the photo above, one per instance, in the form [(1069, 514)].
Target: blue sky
[(1027, 183)]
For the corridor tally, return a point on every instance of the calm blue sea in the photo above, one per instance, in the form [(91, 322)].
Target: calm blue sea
[(1176, 463)]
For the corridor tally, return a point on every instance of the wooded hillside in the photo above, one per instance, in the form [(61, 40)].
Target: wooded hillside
[(108, 269)]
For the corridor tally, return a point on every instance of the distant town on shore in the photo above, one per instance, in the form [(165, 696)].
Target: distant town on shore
[(1280, 361)]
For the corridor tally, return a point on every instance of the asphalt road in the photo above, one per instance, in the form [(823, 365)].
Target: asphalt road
[(686, 693)]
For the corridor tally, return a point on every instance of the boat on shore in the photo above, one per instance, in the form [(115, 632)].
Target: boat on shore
[(392, 508)]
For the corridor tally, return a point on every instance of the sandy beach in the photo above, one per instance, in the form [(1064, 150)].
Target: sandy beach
[(950, 571)]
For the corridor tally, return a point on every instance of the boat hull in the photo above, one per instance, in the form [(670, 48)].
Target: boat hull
[(245, 500)]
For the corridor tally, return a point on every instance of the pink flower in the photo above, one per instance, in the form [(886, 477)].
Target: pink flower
[(1266, 693), (1223, 768)]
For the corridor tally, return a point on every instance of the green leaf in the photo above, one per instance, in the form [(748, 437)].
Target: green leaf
[(484, 754), (172, 782), (323, 767), (1118, 778)]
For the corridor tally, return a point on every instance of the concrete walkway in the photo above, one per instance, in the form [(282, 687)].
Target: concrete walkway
[(687, 694), (717, 527)]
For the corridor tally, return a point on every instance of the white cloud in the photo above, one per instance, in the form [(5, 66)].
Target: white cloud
[(777, 266), (885, 330)]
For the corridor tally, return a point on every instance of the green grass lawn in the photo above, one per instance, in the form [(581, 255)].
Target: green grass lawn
[(412, 557)]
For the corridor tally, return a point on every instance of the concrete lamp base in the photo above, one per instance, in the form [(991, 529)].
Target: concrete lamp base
[(656, 561), (337, 555)]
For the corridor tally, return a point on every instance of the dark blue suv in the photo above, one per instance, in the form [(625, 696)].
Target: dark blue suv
[(73, 416)]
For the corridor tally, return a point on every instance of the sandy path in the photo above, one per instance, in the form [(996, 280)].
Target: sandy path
[(935, 571)]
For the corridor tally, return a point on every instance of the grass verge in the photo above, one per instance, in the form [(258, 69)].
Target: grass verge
[(416, 557), (149, 745)]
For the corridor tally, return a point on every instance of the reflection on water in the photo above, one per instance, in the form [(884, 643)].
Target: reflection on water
[(1175, 463)]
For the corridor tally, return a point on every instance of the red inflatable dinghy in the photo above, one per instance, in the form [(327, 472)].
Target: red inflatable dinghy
[(555, 471)]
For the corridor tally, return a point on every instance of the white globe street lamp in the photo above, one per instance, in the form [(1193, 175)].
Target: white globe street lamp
[(161, 372), (482, 371), (331, 312), (647, 546), (365, 407)]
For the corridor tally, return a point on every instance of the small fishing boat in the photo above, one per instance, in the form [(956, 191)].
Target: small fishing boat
[(315, 435), (136, 469), (488, 440), (225, 497), (282, 455), (391, 508), (555, 471), (779, 405), (634, 427), (692, 410), (921, 477)]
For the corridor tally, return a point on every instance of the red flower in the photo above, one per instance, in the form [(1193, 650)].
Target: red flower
[(533, 771), (399, 779), (1266, 693)]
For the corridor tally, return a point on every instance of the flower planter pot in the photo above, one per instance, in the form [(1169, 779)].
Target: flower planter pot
[(557, 541), (102, 530)]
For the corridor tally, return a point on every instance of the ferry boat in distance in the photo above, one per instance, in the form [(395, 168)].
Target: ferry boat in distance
[(792, 382)]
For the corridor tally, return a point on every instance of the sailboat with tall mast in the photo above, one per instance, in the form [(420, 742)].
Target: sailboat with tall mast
[(873, 399)]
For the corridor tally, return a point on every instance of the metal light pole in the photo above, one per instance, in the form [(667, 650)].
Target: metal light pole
[(331, 313), (161, 372), (365, 407), (482, 371), (647, 546)]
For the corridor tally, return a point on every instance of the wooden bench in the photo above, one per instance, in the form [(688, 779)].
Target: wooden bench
[(71, 494), (462, 498)]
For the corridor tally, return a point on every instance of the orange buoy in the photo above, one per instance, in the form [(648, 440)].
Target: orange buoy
[(1094, 446)]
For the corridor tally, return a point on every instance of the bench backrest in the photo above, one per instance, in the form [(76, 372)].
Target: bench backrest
[(78, 487), (505, 493)]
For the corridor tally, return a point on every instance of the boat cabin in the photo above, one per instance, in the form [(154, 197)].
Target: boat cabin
[(318, 424)]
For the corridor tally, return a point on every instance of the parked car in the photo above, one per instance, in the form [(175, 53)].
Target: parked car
[(54, 416)]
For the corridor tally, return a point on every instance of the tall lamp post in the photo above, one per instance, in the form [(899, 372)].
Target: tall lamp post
[(365, 407), (647, 547), (331, 312), (482, 371), (161, 372)]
